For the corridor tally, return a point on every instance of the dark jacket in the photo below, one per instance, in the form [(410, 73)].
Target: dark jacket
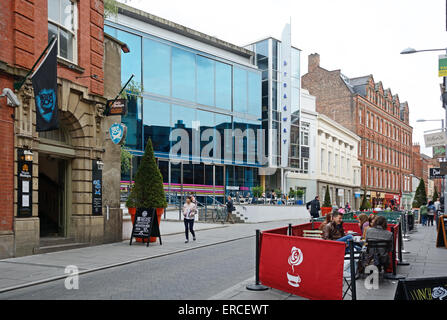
[(332, 231), (314, 208), (230, 206), (379, 255)]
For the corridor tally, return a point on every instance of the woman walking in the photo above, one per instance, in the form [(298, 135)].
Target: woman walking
[(189, 212)]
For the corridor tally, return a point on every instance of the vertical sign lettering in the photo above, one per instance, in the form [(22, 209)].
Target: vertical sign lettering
[(285, 100)]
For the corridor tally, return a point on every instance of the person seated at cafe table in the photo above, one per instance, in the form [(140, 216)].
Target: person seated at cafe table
[(327, 219), (334, 230), (378, 232)]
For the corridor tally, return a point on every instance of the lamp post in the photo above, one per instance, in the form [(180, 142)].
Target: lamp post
[(444, 91)]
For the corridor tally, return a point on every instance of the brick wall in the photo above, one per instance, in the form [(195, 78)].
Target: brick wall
[(6, 160), (337, 101)]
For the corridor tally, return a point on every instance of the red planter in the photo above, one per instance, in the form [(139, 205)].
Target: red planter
[(325, 210), (133, 211)]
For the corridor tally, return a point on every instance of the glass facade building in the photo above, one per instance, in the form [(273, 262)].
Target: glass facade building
[(203, 94), (267, 58)]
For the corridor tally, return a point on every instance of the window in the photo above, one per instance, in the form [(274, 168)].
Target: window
[(321, 160), (223, 85), (183, 74), (205, 81), (156, 121), (329, 155), (240, 90), (157, 67), (254, 94), (360, 115), (62, 23)]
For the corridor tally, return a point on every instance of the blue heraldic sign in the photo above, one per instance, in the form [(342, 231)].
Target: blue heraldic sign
[(117, 133), (45, 92)]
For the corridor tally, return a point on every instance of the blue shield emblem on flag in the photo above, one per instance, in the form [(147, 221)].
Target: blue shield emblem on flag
[(117, 133), (46, 103)]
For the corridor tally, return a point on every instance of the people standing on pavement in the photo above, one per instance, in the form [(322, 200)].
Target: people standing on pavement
[(437, 210), (423, 213), (230, 208), (431, 213), (347, 207), (189, 212), (314, 207)]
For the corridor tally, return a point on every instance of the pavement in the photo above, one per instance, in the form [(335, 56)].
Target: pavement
[(424, 258), (16, 273)]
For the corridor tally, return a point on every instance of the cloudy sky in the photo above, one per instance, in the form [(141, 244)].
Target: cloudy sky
[(357, 36)]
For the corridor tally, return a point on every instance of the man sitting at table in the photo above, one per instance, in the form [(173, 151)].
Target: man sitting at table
[(334, 230), (378, 232)]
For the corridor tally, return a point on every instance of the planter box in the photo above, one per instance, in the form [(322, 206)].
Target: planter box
[(325, 210)]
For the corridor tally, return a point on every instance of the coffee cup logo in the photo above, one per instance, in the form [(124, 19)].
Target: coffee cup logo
[(295, 259)]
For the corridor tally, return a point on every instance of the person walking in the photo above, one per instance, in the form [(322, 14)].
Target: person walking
[(230, 208), (423, 213), (189, 212), (437, 210), (431, 213), (314, 207)]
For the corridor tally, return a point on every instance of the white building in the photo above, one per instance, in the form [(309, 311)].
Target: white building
[(304, 178), (337, 164)]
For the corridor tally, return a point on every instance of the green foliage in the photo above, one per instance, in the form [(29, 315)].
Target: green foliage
[(366, 204), (148, 190), (278, 193), (126, 160), (257, 191), (420, 197), (292, 193), (133, 88), (131, 201), (327, 199), (435, 194), (300, 192), (110, 8)]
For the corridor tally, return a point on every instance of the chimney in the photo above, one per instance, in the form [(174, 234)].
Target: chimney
[(314, 62)]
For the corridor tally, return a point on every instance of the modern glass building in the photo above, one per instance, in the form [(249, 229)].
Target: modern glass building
[(267, 58), (201, 85)]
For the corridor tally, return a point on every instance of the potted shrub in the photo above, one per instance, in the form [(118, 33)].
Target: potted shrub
[(257, 192), (299, 194), (327, 206), (148, 191)]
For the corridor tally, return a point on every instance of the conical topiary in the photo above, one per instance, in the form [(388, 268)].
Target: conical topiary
[(148, 189), (366, 205), (420, 196), (327, 198), (435, 194)]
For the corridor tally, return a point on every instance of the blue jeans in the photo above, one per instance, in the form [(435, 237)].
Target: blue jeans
[(345, 239), (189, 226), (424, 220)]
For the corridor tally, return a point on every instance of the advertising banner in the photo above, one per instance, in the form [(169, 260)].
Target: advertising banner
[(300, 266)]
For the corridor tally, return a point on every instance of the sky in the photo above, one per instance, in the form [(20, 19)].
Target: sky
[(358, 37)]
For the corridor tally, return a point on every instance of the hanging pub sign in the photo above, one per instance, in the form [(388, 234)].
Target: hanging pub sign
[(435, 173), (96, 188), (44, 81), (422, 289), (24, 183), (441, 239), (116, 107), (145, 225), (118, 132)]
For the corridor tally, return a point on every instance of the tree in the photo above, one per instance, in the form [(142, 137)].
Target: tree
[(257, 191), (435, 194), (148, 190), (420, 197), (366, 205), (327, 198)]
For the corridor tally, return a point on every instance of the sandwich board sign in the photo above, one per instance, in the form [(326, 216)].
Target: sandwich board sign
[(145, 225), (422, 289), (441, 239)]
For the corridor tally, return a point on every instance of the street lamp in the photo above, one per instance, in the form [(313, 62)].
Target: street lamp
[(410, 51), (425, 120)]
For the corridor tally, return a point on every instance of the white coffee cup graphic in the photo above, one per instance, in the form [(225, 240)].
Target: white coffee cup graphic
[(295, 259)]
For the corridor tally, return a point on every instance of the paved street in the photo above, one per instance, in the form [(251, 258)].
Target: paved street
[(222, 255), (195, 274)]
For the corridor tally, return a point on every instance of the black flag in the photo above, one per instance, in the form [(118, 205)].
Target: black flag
[(45, 91)]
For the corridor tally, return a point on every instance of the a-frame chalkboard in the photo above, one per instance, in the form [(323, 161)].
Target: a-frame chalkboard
[(441, 240), (145, 225)]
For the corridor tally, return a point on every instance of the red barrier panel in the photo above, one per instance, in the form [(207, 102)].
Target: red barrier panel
[(310, 268)]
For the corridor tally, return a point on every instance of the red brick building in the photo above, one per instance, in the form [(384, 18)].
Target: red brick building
[(378, 117), (60, 196), (421, 169)]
